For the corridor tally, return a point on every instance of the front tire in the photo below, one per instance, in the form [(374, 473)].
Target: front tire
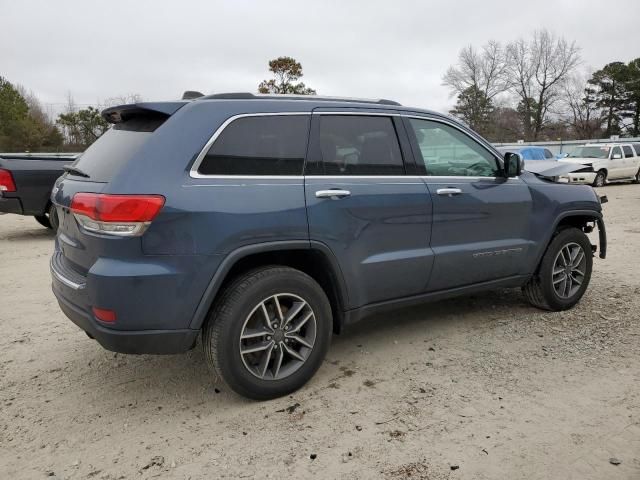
[(269, 332), (564, 273), (600, 180)]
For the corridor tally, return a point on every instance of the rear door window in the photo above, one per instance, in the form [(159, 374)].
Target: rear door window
[(109, 153), (259, 145), (628, 153), (359, 145)]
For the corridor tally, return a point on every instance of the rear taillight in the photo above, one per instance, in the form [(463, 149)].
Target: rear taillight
[(122, 215), (6, 181)]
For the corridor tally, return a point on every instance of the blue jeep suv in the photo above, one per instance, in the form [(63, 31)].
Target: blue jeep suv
[(267, 223)]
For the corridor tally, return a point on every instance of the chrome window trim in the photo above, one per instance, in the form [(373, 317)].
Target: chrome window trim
[(335, 177), (193, 172), (479, 140)]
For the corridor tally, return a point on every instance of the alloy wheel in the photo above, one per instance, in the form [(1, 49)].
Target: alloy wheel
[(600, 179), (569, 269), (278, 336)]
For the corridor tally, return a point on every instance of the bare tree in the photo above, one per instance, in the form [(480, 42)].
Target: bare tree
[(483, 70), (536, 70), (477, 78)]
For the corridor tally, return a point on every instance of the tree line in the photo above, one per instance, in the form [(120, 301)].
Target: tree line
[(529, 89), (25, 126), (533, 89)]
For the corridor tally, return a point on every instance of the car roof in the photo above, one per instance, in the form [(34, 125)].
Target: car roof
[(257, 102), (311, 102)]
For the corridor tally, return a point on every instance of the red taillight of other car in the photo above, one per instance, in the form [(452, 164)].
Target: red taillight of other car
[(120, 215), (6, 181)]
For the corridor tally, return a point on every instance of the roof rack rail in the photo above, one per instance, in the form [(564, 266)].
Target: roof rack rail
[(253, 96)]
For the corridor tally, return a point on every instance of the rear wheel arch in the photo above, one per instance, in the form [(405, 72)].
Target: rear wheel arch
[(316, 260)]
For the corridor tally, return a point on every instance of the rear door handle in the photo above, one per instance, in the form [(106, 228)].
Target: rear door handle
[(449, 191), (335, 194)]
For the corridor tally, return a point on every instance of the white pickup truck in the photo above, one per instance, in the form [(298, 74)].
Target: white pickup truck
[(605, 162)]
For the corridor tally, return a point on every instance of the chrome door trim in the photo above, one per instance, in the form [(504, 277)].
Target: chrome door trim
[(337, 194), (449, 191)]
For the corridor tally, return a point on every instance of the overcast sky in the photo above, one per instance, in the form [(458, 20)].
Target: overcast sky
[(381, 49)]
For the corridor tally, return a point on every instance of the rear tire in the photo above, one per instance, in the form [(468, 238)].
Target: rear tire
[(564, 272), (636, 179), (245, 341), (49, 219), (43, 220), (600, 180)]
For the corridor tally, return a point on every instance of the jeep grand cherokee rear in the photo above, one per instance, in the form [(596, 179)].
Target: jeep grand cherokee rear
[(266, 223)]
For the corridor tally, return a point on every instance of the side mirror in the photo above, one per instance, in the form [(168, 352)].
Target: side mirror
[(616, 156), (513, 164)]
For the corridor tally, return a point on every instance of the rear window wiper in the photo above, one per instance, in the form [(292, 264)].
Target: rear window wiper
[(75, 171)]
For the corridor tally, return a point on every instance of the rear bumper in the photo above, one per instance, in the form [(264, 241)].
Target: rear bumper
[(128, 341), (70, 293), (10, 205)]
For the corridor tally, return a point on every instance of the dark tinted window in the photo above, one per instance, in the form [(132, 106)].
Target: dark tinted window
[(268, 145), (446, 151), (107, 155), (627, 151), (548, 154), (636, 147), (359, 145)]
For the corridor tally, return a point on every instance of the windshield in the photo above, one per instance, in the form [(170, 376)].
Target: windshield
[(590, 152)]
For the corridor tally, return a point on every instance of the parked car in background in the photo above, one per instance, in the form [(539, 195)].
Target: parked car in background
[(541, 161), (26, 181), (268, 222), (604, 163), (530, 152)]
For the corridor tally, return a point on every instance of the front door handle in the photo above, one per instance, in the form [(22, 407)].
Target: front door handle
[(449, 191), (335, 194)]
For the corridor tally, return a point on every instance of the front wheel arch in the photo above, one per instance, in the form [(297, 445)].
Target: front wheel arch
[(580, 219)]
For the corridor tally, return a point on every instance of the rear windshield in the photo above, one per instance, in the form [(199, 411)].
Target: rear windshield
[(104, 158)]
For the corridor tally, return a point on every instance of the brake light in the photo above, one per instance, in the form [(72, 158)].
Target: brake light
[(6, 181), (104, 315), (122, 215)]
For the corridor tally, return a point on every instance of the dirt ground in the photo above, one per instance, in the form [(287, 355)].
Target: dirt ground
[(484, 387)]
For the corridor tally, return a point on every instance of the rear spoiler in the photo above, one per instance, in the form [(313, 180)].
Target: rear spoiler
[(122, 113)]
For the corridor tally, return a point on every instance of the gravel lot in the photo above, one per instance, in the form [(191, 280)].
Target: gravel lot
[(484, 387)]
